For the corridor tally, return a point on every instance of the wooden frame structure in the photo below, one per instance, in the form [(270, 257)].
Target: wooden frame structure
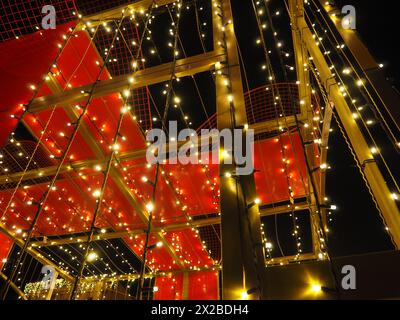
[(242, 270)]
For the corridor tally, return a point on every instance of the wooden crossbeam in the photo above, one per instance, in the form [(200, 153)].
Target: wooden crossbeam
[(184, 67), (264, 212), (125, 10)]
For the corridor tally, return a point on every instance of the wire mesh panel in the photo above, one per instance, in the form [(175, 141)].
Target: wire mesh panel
[(20, 17), (262, 103), (87, 7), (15, 157), (123, 54)]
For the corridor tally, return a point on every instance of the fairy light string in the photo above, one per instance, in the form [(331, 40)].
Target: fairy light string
[(42, 201)]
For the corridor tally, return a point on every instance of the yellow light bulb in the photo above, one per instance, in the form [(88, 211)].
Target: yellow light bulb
[(316, 288), (150, 207)]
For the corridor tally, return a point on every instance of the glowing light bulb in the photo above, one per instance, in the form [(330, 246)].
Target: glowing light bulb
[(257, 201), (150, 207), (92, 256), (244, 295), (159, 244), (144, 179), (125, 109), (346, 71), (316, 288), (268, 245), (97, 193)]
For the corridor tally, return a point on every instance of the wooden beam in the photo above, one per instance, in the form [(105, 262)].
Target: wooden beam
[(33, 174), (161, 273), (116, 13), (264, 212), (242, 255), (184, 67), (14, 287), (38, 256), (296, 10)]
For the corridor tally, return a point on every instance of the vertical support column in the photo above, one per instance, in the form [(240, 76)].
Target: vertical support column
[(185, 286), (242, 255), (296, 8), (360, 146)]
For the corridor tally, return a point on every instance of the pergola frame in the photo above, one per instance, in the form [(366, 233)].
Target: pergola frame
[(184, 67), (233, 264)]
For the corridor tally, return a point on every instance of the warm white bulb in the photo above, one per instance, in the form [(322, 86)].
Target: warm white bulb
[(150, 207), (97, 193), (374, 150), (316, 288), (92, 256)]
